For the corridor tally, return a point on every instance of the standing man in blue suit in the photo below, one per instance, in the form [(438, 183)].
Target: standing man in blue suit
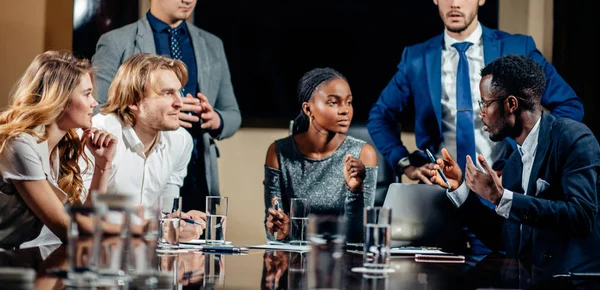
[(438, 80), (427, 83), (546, 204), (210, 100)]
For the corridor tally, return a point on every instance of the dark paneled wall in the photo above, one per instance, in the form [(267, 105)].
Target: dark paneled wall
[(575, 55), (271, 43)]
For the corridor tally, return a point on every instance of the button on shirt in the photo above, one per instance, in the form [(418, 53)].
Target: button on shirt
[(527, 151), (160, 31), (450, 58), (146, 177)]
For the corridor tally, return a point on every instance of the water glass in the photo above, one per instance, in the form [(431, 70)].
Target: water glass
[(169, 219), (326, 235), (114, 250), (376, 251), (216, 216), (82, 248), (299, 209)]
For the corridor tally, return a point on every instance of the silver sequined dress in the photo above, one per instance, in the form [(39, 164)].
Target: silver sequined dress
[(321, 182)]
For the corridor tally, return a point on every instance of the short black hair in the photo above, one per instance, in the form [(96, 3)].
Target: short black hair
[(519, 76)]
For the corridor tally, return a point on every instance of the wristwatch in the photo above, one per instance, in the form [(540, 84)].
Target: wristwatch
[(402, 164)]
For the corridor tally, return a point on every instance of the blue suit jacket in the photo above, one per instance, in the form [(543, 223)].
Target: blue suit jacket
[(559, 215), (417, 87)]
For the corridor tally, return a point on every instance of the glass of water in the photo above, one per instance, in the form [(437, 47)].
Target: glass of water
[(376, 252), (216, 216), (169, 219), (299, 209), (326, 235)]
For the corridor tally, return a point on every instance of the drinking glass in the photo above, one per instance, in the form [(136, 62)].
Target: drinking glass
[(326, 236), (82, 248), (114, 250), (169, 219), (299, 209), (216, 219), (376, 251)]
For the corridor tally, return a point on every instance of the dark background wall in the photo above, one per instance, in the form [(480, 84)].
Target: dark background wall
[(271, 43), (576, 56)]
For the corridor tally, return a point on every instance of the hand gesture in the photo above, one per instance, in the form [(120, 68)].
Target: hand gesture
[(278, 222), (423, 173), (487, 184), (102, 144), (200, 107), (190, 104), (354, 173), (450, 169), (191, 231)]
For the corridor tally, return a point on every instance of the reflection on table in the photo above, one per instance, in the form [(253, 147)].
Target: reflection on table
[(283, 270)]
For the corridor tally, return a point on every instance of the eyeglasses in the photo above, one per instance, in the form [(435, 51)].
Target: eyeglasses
[(484, 104)]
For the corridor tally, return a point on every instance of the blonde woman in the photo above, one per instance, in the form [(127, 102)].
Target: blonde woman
[(39, 150)]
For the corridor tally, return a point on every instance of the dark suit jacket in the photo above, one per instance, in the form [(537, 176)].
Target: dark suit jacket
[(417, 87), (214, 80), (559, 215)]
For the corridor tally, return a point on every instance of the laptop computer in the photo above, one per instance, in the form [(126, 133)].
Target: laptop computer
[(423, 216)]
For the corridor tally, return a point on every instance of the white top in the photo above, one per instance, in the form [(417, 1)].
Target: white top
[(450, 58), (527, 151), (160, 173), (24, 158)]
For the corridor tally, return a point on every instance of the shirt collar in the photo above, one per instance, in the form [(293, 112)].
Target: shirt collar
[(531, 141), (134, 142), (474, 38), (158, 25)]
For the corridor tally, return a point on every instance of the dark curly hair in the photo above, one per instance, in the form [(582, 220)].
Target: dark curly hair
[(519, 76)]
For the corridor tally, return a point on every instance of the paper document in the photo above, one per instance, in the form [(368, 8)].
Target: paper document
[(282, 247), (417, 250)]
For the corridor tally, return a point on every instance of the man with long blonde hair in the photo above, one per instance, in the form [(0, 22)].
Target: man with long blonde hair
[(39, 150), (153, 151)]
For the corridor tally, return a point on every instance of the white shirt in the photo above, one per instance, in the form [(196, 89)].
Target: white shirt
[(26, 159), (527, 151), (450, 58), (160, 173)]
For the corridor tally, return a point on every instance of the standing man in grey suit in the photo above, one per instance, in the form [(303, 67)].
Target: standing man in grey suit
[(212, 110)]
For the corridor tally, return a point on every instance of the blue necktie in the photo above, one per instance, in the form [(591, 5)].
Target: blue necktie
[(174, 46), (465, 132)]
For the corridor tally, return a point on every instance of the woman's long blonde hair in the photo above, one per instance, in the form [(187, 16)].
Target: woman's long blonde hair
[(39, 98)]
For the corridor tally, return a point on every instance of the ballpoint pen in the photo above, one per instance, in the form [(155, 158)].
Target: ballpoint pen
[(575, 275), (276, 207), (225, 249), (440, 172)]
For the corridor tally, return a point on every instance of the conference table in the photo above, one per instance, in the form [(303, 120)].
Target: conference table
[(270, 269)]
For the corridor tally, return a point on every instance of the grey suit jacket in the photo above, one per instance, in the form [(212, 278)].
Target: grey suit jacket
[(214, 79)]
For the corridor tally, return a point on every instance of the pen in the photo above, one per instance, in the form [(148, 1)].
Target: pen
[(439, 169), (191, 221), (276, 207), (223, 249), (582, 275)]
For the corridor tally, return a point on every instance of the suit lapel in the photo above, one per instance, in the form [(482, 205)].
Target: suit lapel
[(511, 180), (144, 40), (540, 154), (491, 45), (540, 158), (202, 60), (433, 62)]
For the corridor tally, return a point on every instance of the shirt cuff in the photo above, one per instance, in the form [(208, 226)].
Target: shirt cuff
[(503, 208), (216, 132), (459, 195)]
